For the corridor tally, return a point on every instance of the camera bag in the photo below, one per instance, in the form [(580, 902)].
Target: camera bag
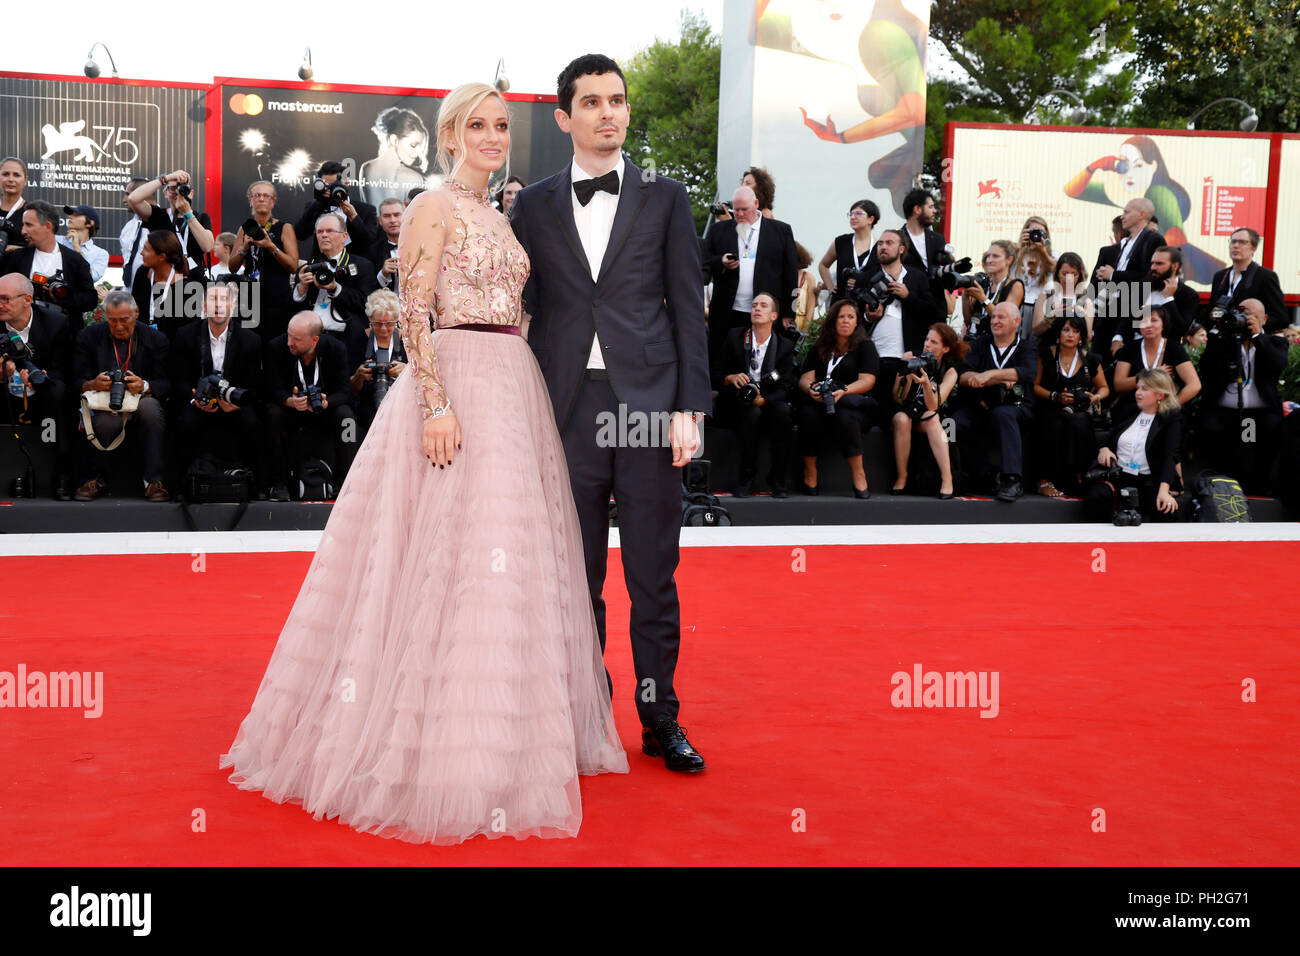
[(1218, 498), (315, 480), (211, 481)]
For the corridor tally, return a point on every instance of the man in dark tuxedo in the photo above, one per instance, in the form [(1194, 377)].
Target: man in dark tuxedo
[(383, 253), (302, 357), (47, 344), (1240, 423), (1180, 300), (360, 217), (1247, 279), (756, 357), (925, 247), (745, 255), (1120, 300), (227, 430), (341, 302), (618, 325), (120, 343), (44, 258), (899, 323)]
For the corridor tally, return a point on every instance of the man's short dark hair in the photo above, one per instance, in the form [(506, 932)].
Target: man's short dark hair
[(913, 199), (1254, 236), (331, 167), (589, 63), (902, 243), (44, 212), (1173, 252)]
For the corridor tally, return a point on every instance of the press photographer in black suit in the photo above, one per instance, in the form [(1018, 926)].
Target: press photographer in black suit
[(996, 387), (383, 346), (383, 253), (217, 347), (1240, 420), (744, 255), (924, 247), (1168, 289), (360, 218), (1121, 299), (122, 344), (340, 302), (300, 358), (755, 378), (903, 313), (61, 277), (46, 343), (1247, 279)]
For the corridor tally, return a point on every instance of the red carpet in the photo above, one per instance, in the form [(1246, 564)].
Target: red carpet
[(1119, 690)]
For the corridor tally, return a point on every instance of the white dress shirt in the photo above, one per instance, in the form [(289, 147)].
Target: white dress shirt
[(95, 256), (887, 336), (594, 222), (1132, 446), (747, 250), (324, 304), (217, 345), (127, 241)]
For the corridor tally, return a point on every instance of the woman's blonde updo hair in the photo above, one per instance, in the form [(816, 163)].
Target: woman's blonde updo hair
[(453, 114)]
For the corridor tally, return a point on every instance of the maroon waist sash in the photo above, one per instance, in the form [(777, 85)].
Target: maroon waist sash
[(489, 327)]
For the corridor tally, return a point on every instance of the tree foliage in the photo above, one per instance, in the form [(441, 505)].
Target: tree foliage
[(672, 89)]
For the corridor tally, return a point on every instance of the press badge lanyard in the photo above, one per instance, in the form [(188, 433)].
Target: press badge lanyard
[(1160, 352), (753, 231), (1001, 359), (834, 361), (1247, 368), (315, 376), (153, 299), (755, 363), (1074, 364), (124, 366)]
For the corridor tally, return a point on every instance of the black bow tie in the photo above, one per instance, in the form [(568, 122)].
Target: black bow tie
[(586, 188)]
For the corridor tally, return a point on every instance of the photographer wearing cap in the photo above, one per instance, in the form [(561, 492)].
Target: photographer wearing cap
[(61, 277), (83, 227), (36, 368), (121, 366), (1241, 412), (331, 195), (755, 379), (193, 230), (215, 367), (13, 180), (1247, 279), (383, 359), (335, 285)]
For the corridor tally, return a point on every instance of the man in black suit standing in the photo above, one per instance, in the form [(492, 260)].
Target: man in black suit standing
[(47, 344), (340, 303), (898, 325), (745, 255), (1180, 300), (924, 246), (1247, 279), (618, 326), (1125, 292), (360, 217), (43, 258), (383, 253), (228, 430)]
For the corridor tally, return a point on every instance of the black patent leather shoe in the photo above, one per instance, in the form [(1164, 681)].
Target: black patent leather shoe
[(667, 739)]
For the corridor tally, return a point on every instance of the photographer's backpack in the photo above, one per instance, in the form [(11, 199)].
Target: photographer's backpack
[(1218, 498), (702, 510), (315, 480), (210, 480)]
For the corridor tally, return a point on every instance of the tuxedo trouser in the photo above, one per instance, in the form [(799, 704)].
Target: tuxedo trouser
[(294, 435), (147, 421), (1007, 423), (648, 491), (1242, 443)]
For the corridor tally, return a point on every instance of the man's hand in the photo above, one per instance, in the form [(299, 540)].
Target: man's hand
[(1255, 324), (684, 435), (348, 209), (134, 383), (390, 266), (100, 383), (202, 408), (1105, 272), (898, 289), (305, 279), (1171, 286), (737, 380), (297, 401), (876, 313), (397, 369), (730, 262)]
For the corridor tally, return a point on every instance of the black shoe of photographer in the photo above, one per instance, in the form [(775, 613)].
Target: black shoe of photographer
[(780, 491), (744, 489), (1009, 488), (279, 492), (667, 739), (63, 488)]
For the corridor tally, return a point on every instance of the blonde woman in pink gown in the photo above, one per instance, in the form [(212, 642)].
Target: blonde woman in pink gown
[(440, 674)]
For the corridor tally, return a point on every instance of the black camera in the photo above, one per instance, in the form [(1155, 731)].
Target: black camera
[(925, 362), (184, 189), (944, 265), (52, 289), (1081, 401), (313, 399), (322, 272), (1099, 472), (15, 350), (953, 282), (253, 230), (720, 208), (116, 389), (875, 296), (213, 387), (10, 234), (826, 389), (1126, 513), (1227, 320), (381, 380), (332, 194), (1037, 235)]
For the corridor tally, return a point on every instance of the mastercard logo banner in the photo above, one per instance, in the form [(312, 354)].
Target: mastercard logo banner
[(246, 104)]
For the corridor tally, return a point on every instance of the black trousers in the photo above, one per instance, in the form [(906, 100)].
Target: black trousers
[(774, 419), (648, 490), (50, 403), (293, 435), (1066, 445), (1006, 424), (820, 432), (229, 436), (1101, 498), (1222, 443), (148, 422)]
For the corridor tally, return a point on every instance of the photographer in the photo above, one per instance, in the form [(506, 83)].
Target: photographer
[(743, 256), (331, 195), (1033, 264), (384, 358), (1141, 453), (1155, 348), (307, 414), (1066, 294), (335, 286), (1120, 299), (193, 231), (163, 290), (996, 382), (266, 253), (837, 373), (1247, 279), (983, 291), (1181, 302), (225, 361), (851, 252), (922, 390), (36, 368), (754, 377), (384, 252), (1069, 386), (122, 357), (13, 180), (1240, 421), (83, 227), (898, 310), (60, 276)]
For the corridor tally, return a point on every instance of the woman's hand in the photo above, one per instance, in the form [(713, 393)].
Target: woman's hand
[(1165, 502), (1106, 458), (441, 439)]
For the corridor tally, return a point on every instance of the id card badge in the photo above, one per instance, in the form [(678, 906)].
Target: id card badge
[(1130, 468)]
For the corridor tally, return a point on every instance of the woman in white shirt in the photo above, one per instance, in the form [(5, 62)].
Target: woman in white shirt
[(1142, 453)]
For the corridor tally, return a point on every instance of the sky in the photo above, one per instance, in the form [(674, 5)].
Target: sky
[(432, 44)]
